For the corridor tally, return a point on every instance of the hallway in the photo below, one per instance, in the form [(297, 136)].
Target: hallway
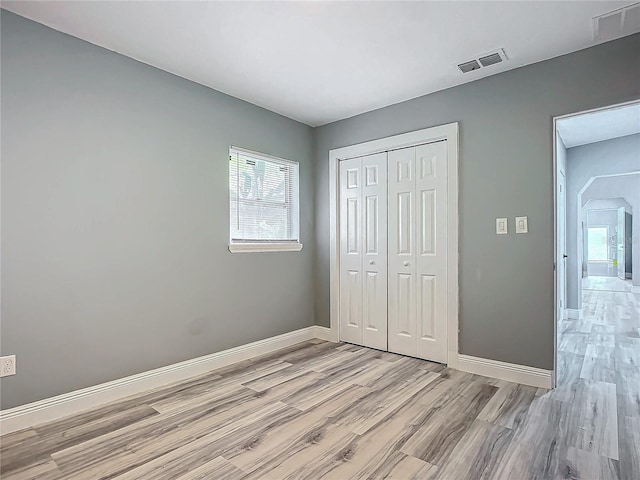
[(600, 353)]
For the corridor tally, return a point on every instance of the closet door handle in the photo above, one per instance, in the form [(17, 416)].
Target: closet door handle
[(371, 262), (406, 264)]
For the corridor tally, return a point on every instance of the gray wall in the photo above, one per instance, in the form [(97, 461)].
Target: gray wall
[(506, 282), (115, 217), (620, 155)]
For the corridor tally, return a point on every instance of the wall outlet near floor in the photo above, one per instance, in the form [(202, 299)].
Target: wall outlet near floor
[(7, 365)]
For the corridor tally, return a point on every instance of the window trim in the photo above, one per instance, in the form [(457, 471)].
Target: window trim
[(265, 247), (248, 246)]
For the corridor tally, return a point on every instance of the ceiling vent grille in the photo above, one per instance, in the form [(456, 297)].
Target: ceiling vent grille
[(490, 60), (469, 66), (483, 61), (617, 23)]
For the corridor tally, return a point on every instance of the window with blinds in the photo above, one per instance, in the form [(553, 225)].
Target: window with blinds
[(263, 201)]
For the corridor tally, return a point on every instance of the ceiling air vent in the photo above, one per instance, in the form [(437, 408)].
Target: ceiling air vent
[(490, 59), (469, 66), (617, 23), (483, 61)]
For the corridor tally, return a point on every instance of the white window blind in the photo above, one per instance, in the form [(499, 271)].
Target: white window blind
[(263, 198)]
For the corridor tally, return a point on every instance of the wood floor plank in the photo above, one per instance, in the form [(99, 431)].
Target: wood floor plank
[(479, 453), (275, 378), (509, 405), (386, 377), (82, 463), (192, 455), (314, 393), (435, 441), (310, 452), (574, 343), (291, 388), (375, 453), (46, 470), (218, 468), (35, 452), (601, 369), (376, 407), (216, 388), (581, 465), (627, 352), (405, 467), (602, 338), (629, 444), (593, 425), (537, 441), (166, 432), (569, 367), (17, 438), (628, 390), (262, 453)]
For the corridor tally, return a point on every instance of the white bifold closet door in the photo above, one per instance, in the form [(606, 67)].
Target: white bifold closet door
[(418, 251), (363, 250)]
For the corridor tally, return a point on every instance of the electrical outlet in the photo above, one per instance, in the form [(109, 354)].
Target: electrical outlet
[(7, 365)]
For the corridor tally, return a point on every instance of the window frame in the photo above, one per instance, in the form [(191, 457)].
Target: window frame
[(267, 245)]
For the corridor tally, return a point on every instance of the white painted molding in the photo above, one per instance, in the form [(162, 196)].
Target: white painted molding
[(574, 314), (635, 289), (535, 377), (324, 333), (31, 414), (265, 247)]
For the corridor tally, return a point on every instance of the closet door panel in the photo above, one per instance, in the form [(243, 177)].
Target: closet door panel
[(431, 255), (351, 250), (402, 241), (374, 261)]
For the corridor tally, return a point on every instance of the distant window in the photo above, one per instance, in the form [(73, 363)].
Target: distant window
[(264, 203), (597, 244)]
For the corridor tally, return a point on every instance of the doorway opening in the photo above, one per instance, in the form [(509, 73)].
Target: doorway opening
[(597, 245)]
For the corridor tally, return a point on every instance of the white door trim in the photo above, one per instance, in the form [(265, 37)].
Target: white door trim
[(447, 132)]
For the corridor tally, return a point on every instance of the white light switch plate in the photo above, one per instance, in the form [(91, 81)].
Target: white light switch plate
[(501, 226), (521, 225)]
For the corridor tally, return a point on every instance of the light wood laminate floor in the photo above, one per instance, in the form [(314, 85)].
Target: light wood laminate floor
[(338, 411), (612, 284)]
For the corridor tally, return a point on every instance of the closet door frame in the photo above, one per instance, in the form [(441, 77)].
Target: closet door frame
[(448, 132)]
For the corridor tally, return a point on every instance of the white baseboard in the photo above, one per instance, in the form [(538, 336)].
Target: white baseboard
[(535, 377), (25, 416), (574, 313), (324, 333)]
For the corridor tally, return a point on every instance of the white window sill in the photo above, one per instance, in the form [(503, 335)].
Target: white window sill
[(264, 247)]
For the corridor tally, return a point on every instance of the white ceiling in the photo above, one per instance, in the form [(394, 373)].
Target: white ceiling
[(598, 126), (318, 62)]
